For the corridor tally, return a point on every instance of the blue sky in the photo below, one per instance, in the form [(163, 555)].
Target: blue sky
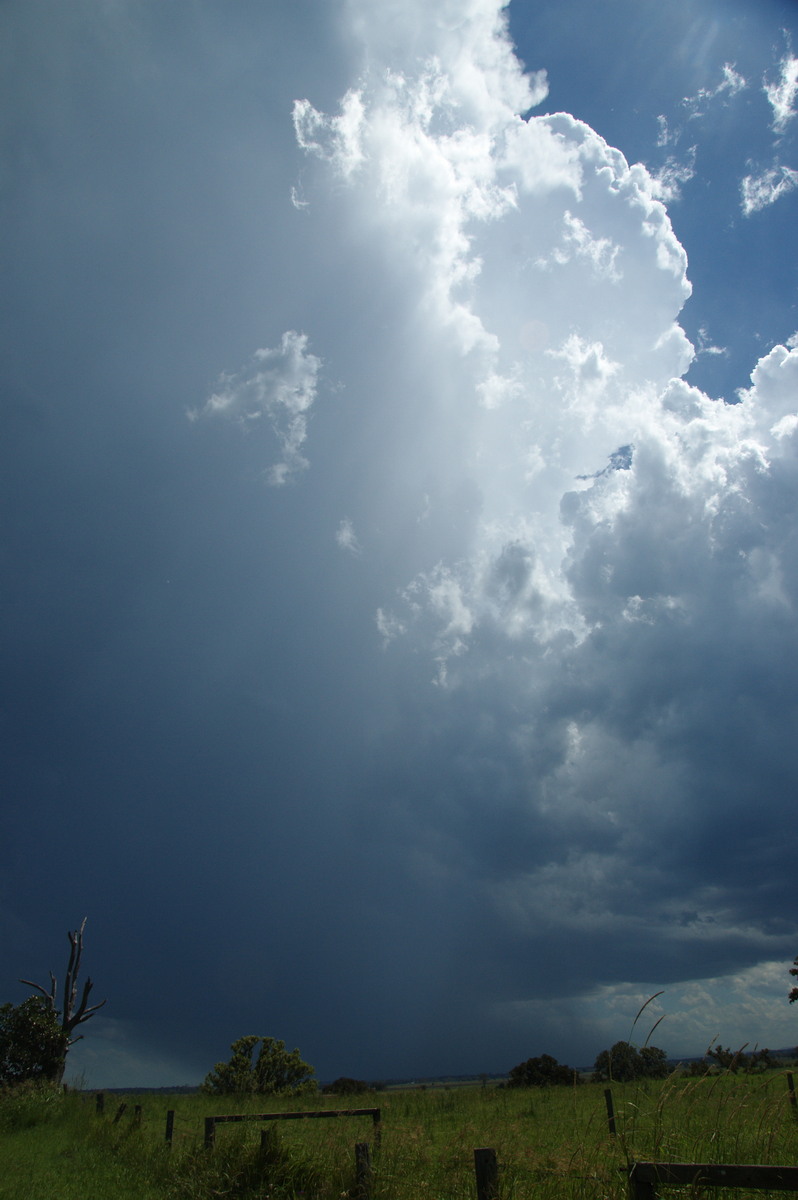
[(399, 569)]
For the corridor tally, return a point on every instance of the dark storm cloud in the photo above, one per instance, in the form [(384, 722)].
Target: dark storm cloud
[(461, 730)]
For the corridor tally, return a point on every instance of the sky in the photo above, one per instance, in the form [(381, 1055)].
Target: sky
[(399, 587)]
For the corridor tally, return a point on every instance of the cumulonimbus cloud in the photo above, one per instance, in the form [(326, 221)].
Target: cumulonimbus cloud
[(631, 537)]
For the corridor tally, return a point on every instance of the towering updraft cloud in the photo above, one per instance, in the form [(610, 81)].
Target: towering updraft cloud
[(623, 589)]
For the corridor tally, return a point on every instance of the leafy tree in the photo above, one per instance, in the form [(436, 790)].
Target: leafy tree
[(794, 972), (618, 1063), (654, 1062), (275, 1070), (74, 1011), (543, 1071), (623, 1063), (32, 1043)]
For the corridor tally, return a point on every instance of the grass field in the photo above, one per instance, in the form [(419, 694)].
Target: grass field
[(550, 1143)]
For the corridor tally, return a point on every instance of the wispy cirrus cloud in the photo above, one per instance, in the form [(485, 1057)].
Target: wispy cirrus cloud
[(781, 94), (760, 191), (730, 85)]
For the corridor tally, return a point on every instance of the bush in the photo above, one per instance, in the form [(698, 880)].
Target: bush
[(275, 1070), (32, 1043), (720, 1058), (345, 1087), (624, 1063), (543, 1071), (24, 1105)]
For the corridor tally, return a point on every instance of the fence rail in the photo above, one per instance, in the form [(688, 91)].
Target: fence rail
[(212, 1122), (645, 1178)]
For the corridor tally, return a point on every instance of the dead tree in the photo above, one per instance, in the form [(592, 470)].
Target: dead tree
[(74, 1011)]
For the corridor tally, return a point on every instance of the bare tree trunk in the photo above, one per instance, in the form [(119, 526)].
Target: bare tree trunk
[(75, 1011)]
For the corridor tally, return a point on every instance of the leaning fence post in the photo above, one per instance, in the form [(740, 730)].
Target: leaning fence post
[(170, 1124), (791, 1093), (610, 1110), (120, 1112), (362, 1171), (487, 1172)]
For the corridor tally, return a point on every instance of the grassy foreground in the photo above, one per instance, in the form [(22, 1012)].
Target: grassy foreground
[(551, 1143)]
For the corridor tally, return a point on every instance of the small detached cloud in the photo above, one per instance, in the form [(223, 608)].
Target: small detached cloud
[(760, 191), (279, 384), (668, 180), (347, 539), (729, 86), (781, 95), (705, 345)]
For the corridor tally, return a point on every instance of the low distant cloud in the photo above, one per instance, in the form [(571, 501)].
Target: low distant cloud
[(760, 191), (781, 94), (279, 384)]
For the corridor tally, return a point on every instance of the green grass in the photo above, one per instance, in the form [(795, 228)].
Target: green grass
[(551, 1143)]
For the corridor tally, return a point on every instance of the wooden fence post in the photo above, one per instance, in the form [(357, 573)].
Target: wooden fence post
[(363, 1176), (487, 1172), (99, 1101), (210, 1132), (640, 1189), (120, 1112), (137, 1114), (791, 1093), (170, 1125), (610, 1110)]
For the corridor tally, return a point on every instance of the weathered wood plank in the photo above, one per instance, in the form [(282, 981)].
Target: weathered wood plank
[(664, 1174), (212, 1122)]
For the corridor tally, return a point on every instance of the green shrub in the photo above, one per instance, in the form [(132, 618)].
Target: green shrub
[(24, 1105)]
